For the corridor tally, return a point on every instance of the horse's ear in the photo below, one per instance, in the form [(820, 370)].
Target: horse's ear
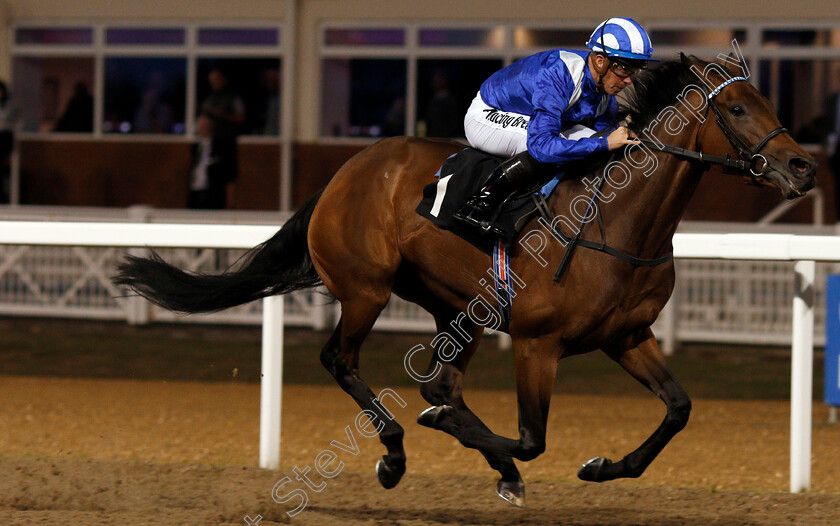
[(731, 66), (691, 60)]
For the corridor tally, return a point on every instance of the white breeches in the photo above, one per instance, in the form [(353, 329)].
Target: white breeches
[(494, 131), (505, 133)]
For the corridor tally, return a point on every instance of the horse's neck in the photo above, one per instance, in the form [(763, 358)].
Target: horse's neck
[(642, 217)]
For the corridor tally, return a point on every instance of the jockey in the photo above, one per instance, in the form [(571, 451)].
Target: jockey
[(534, 111)]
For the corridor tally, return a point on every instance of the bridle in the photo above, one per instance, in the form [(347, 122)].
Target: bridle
[(743, 149), (749, 156)]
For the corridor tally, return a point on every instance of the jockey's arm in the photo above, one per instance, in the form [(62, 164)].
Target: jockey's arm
[(608, 119), (545, 143)]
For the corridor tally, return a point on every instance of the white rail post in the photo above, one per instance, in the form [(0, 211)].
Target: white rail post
[(319, 313), (670, 315), (271, 383), (802, 374), (138, 309)]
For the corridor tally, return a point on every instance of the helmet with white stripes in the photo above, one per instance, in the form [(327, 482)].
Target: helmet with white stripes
[(621, 38)]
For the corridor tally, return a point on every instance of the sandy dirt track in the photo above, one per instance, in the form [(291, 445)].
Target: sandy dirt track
[(128, 452)]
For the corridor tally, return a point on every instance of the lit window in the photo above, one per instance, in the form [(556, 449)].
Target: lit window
[(570, 38), (363, 97), (54, 35), (255, 82), (142, 36), (801, 37), (445, 89), (364, 37), (697, 37), (54, 93), (221, 36), (493, 38), (144, 95)]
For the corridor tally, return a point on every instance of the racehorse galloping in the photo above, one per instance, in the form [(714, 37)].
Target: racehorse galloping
[(362, 238)]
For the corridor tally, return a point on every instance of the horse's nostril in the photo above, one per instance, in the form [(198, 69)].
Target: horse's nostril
[(800, 166)]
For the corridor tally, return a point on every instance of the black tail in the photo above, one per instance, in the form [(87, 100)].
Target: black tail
[(280, 265)]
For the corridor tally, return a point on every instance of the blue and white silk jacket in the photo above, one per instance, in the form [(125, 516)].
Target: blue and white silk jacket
[(556, 89)]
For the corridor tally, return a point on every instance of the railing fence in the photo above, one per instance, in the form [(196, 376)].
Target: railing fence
[(35, 276)]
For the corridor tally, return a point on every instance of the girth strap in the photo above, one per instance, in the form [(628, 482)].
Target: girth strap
[(574, 241)]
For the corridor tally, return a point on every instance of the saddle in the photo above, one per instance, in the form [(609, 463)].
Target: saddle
[(459, 178)]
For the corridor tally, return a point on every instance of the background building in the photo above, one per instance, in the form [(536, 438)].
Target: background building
[(348, 72)]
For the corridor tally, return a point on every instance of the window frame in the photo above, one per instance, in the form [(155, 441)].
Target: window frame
[(752, 47), (190, 50)]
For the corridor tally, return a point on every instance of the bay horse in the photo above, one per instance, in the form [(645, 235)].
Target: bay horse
[(361, 238)]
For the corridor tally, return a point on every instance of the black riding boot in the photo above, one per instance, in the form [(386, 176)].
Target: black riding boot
[(517, 173)]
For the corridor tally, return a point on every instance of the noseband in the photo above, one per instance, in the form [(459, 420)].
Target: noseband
[(749, 156)]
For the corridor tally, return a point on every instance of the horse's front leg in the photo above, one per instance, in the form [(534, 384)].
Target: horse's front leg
[(641, 356), (536, 367)]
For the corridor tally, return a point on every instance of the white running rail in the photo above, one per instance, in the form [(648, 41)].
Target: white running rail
[(804, 250)]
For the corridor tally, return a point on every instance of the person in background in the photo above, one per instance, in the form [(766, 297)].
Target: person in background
[(394, 123), (271, 84), (226, 112), (78, 115), (213, 167), (153, 115), (442, 109), (223, 106), (8, 125)]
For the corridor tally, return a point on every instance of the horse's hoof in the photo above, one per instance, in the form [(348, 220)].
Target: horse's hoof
[(432, 416), (512, 492), (388, 476), (591, 471)]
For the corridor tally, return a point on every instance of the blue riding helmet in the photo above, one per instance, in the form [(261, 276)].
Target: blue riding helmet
[(622, 38)]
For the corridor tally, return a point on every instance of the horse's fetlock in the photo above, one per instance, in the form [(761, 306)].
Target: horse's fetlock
[(392, 434), (529, 449), (632, 470)]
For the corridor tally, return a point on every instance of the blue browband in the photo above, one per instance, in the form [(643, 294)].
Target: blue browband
[(727, 83)]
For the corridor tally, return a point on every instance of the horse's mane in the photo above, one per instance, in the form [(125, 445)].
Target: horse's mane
[(654, 89)]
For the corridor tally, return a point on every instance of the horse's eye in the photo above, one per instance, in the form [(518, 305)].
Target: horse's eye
[(736, 111)]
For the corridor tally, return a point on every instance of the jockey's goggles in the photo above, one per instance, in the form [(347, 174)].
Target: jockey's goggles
[(624, 69)]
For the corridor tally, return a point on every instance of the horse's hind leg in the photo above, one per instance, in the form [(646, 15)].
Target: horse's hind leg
[(644, 361), (341, 358), (451, 414)]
